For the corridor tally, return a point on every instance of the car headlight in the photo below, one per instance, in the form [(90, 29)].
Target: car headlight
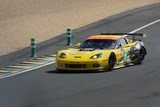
[(62, 55), (96, 56)]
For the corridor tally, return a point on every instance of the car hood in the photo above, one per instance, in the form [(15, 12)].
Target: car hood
[(80, 54)]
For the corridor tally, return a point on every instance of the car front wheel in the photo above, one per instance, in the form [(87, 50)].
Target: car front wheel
[(111, 62)]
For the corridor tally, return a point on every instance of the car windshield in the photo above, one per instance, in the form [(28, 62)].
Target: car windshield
[(98, 44)]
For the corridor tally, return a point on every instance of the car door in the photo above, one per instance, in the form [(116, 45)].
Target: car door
[(125, 50), (125, 46), (118, 50)]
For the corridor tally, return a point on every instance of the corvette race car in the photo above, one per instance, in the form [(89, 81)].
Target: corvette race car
[(106, 51)]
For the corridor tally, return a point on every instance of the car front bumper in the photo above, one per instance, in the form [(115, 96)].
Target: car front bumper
[(81, 65)]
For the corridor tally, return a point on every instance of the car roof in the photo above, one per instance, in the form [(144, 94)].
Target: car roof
[(105, 37)]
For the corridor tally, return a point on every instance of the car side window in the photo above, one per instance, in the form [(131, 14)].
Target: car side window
[(118, 44), (127, 40), (123, 41)]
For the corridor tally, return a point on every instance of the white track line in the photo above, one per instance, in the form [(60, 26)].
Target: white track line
[(138, 29), (147, 25), (27, 70)]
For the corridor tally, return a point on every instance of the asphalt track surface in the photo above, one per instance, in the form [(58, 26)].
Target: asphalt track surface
[(135, 86)]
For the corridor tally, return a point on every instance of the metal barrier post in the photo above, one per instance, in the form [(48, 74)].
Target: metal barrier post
[(33, 47), (69, 37)]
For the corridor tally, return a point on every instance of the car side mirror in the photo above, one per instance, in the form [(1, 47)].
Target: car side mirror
[(78, 44), (55, 53), (118, 46)]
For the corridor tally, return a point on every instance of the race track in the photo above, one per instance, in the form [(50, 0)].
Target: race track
[(136, 86)]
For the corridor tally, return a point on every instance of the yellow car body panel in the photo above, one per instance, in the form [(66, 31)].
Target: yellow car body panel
[(75, 57), (81, 60)]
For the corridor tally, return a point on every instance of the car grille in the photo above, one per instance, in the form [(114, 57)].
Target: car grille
[(75, 65)]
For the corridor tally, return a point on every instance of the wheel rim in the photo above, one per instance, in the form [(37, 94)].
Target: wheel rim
[(141, 55), (111, 62)]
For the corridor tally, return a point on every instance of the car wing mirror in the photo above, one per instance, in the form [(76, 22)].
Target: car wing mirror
[(78, 45), (55, 53), (118, 46)]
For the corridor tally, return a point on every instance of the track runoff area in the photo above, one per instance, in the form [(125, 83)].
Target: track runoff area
[(36, 63)]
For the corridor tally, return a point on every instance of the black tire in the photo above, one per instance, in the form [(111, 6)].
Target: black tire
[(111, 61), (60, 70), (140, 56)]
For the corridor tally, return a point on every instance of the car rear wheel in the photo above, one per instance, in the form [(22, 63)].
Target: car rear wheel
[(141, 56), (111, 62)]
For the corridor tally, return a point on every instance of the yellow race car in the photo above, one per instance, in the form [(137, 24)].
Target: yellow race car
[(106, 51)]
